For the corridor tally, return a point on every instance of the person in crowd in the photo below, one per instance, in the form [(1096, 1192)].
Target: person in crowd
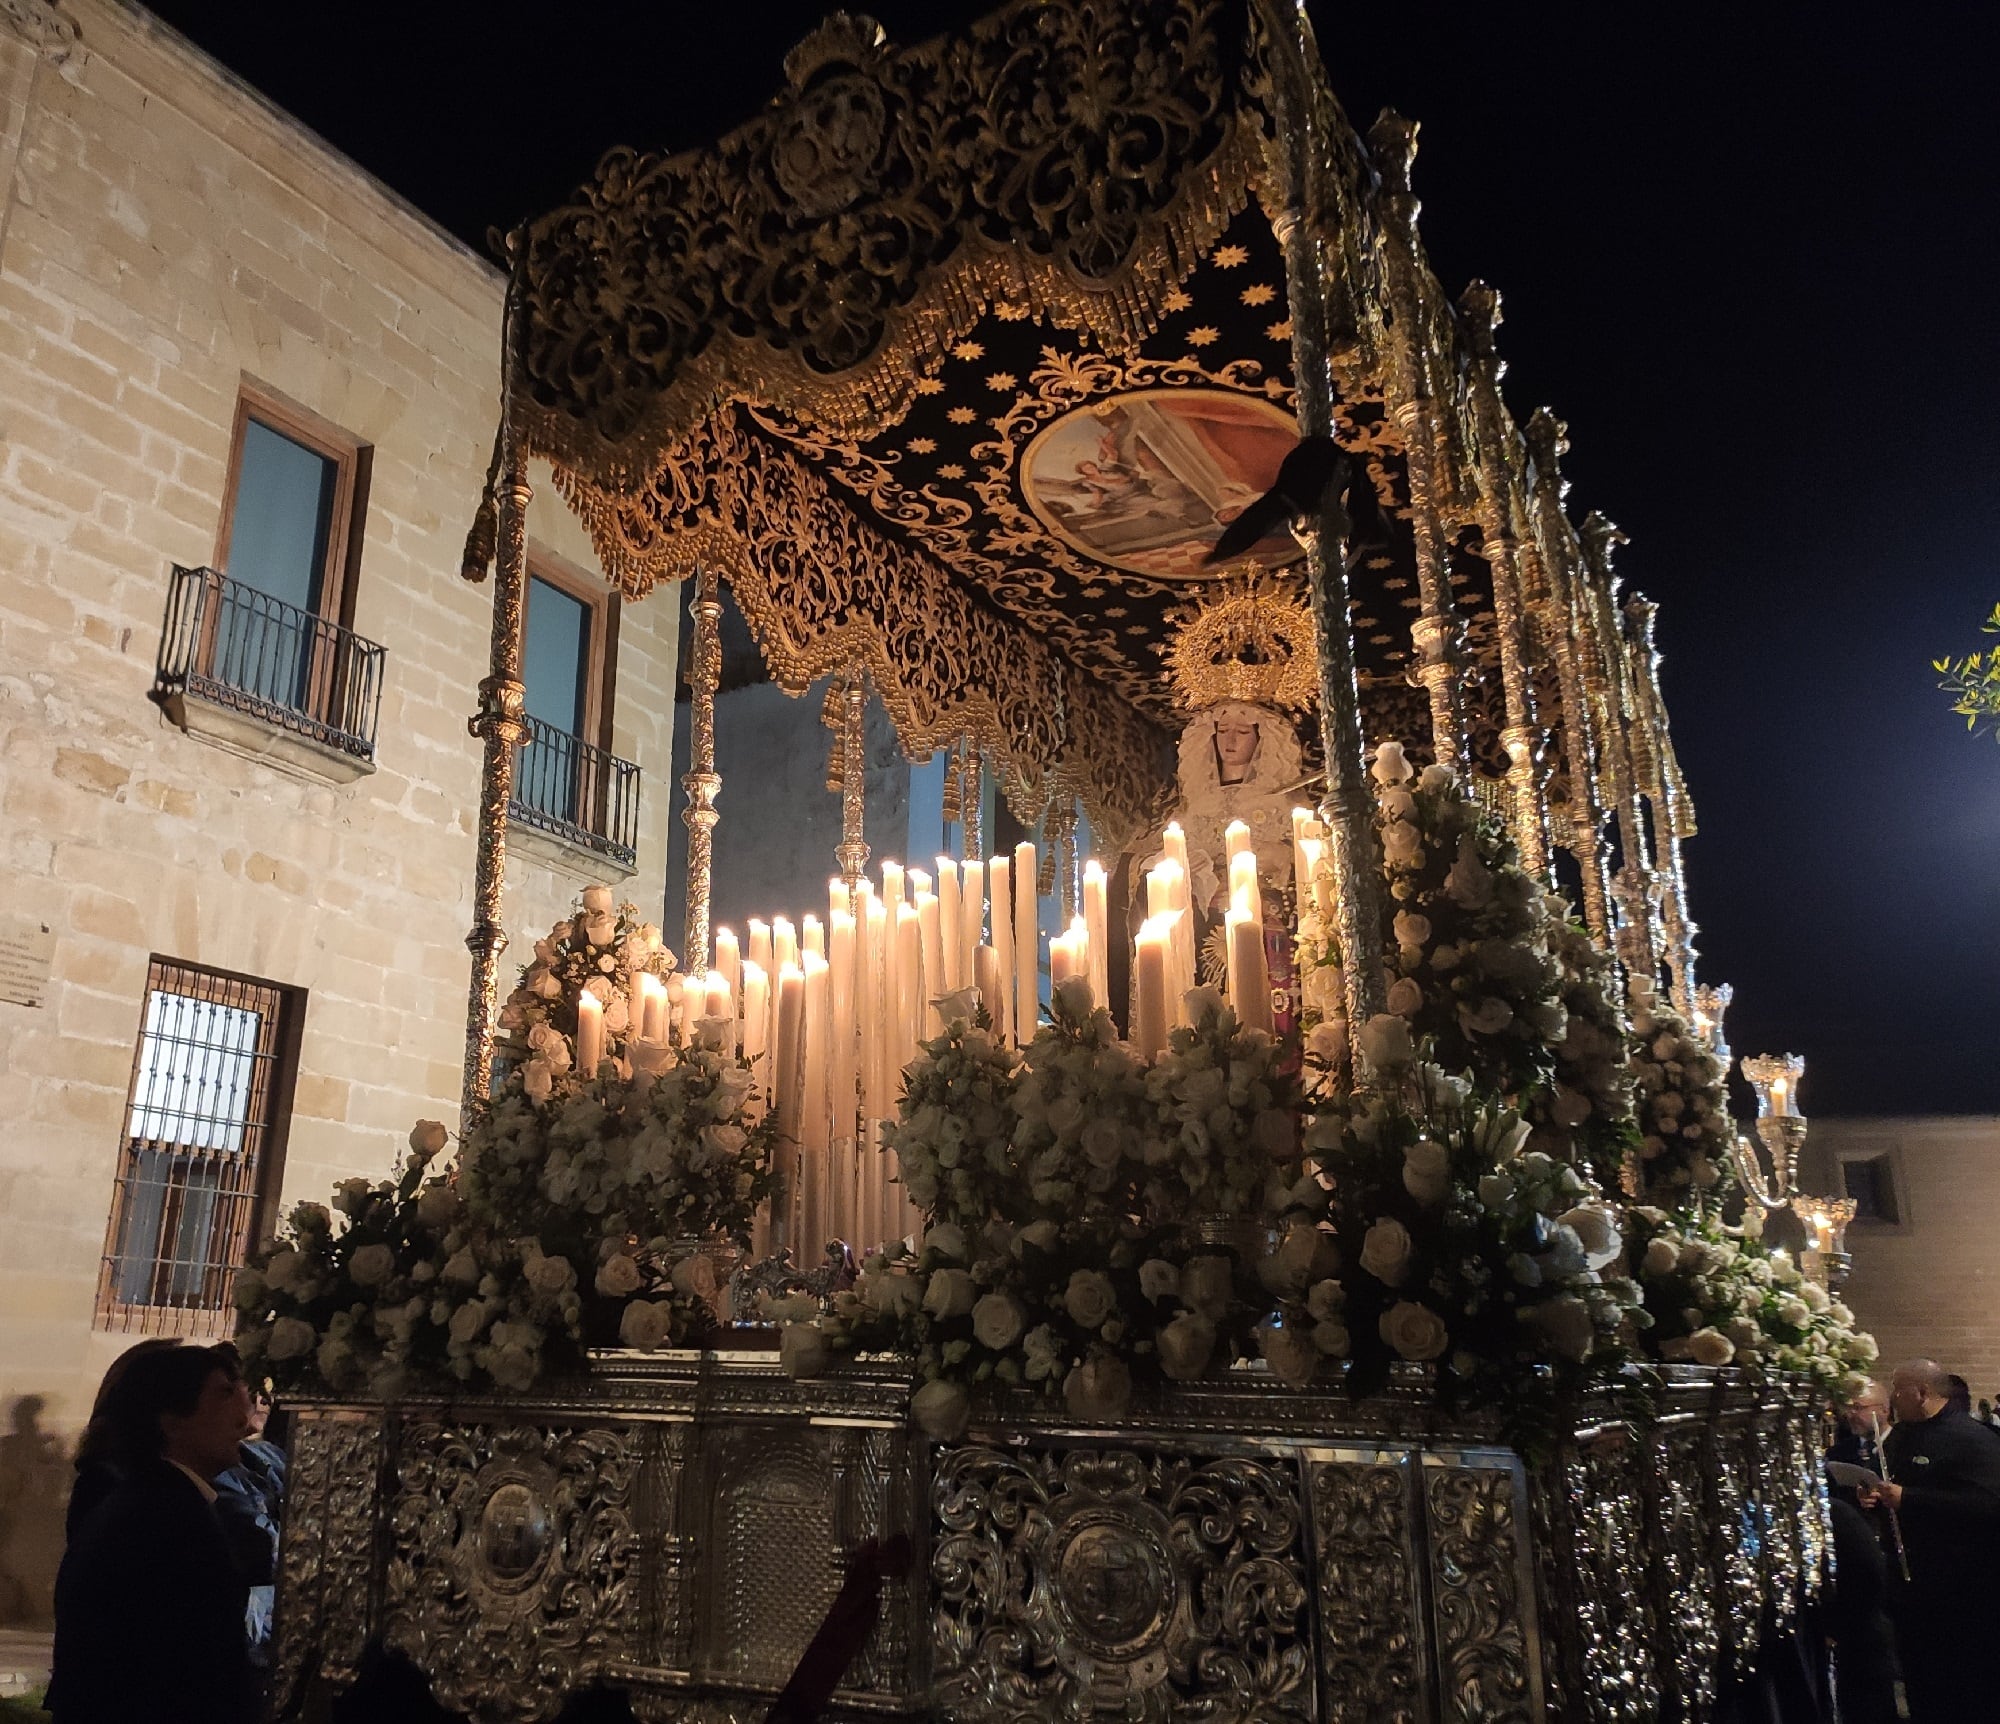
[(1943, 1485), (1856, 1619), (249, 1499), (1863, 1421), (149, 1604), (99, 1467)]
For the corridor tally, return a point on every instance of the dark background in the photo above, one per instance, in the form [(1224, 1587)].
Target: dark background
[(1750, 255)]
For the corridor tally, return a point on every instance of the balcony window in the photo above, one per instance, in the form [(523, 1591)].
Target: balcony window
[(567, 783), (261, 642), (204, 1129)]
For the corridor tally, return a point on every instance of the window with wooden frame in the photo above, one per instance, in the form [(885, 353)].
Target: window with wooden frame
[(569, 654), (287, 556), (203, 1150)]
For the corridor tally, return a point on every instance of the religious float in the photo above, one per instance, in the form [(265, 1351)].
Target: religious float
[(1265, 1233)]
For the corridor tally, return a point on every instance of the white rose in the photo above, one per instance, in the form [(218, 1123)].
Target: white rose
[(462, 1268), (1402, 844), (1289, 1352), (437, 1204), (1042, 1235), (371, 1265), (1414, 1331), (291, 1338), (281, 1273), (1208, 1285), (1385, 1042), (1710, 1347), (802, 1350), (1328, 1042), (694, 1276), (1412, 931), (467, 1321), (1406, 997), (617, 1276), (948, 1240), (896, 1294), (1794, 1312), (427, 1138), (1427, 1171), (598, 901), (1435, 777), (1496, 1190), (960, 1006), (1470, 882), (1391, 766), (1098, 1389), (950, 1293), (646, 1324), (1597, 1229), (1202, 1004), (249, 1291), (600, 930), (550, 1276), (941, 1409), (1662, 1258), (1326, 1301), (1089, 1299), (1186, 1345), (1159, 1279), (1385, 1251), (537, 1080), (1073, 994), (1332, 1339), (998, 1321), (1566, 1324)]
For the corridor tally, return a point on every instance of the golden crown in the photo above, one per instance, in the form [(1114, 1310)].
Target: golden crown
[(1253, 644)]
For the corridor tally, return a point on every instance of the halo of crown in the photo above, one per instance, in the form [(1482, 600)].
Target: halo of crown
[(1252, 643)]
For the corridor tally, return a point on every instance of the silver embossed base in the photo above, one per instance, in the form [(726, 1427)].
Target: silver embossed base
[(677, 1525)]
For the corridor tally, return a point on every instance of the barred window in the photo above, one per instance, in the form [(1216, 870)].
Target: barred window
[(204, 1145)]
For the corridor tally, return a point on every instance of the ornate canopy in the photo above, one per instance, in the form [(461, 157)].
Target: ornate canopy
[(954, 361)]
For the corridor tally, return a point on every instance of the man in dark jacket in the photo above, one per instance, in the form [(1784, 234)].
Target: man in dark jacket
[(149, 1604), (1944, 1485)]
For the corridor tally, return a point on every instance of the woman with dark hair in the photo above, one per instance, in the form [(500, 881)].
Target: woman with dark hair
[(98, 1471), (149, 1603)]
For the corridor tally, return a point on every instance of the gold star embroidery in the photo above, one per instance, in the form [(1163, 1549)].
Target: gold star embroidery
[(1176, 301), (923, 446), (1008, 312), (1280, 331), (929, 386), (1001, 380), (951, 470), (1230, 256), (1203, 336), (968, 350), (1259, 293), (961, 415)]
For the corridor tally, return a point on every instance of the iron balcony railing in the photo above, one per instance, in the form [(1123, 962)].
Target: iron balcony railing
[(235, 647), (576, 791)]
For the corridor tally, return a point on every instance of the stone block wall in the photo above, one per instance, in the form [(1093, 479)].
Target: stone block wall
[(166, 234), (1928, 1283)]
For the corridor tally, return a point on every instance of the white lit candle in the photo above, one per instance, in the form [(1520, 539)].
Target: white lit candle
[(972, 917), (843, 1036), (1235, 838), (909, 993), (760, 945), (999, 874), (729, 960), (1781, 1096), (812, 937), (892, 887), (1249, 978), (677, 1000), (987, 978), (652, 1008), (813, 1109), (1149, 1036), (930, 920), (1244, 893), (1059, 960), (589, 1035), (757, 1025), (873, 1001), (951, 930), (1173, 846), (789, 1057), (1027, 946), (784, 945), (719, 1002), (1097, 918)]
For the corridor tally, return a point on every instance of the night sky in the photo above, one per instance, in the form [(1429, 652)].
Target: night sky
[(1749, 254)]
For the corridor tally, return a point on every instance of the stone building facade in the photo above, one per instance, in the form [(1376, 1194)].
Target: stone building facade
[(1925, 1280), (180, 261)]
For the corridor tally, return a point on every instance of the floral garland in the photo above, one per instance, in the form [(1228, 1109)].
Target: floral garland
[(1717, 1295), (1686, 1133), (572, 1218), (1467, 1248), (1488, 971)]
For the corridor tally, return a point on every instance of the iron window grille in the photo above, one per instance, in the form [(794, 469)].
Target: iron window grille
[(203, 1146), (241, 649), (576, 791)]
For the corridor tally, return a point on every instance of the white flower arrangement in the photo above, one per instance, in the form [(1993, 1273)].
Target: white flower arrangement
[(1462, 1247), (1682, 1093), (1718, 1295), (565, 1224)]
